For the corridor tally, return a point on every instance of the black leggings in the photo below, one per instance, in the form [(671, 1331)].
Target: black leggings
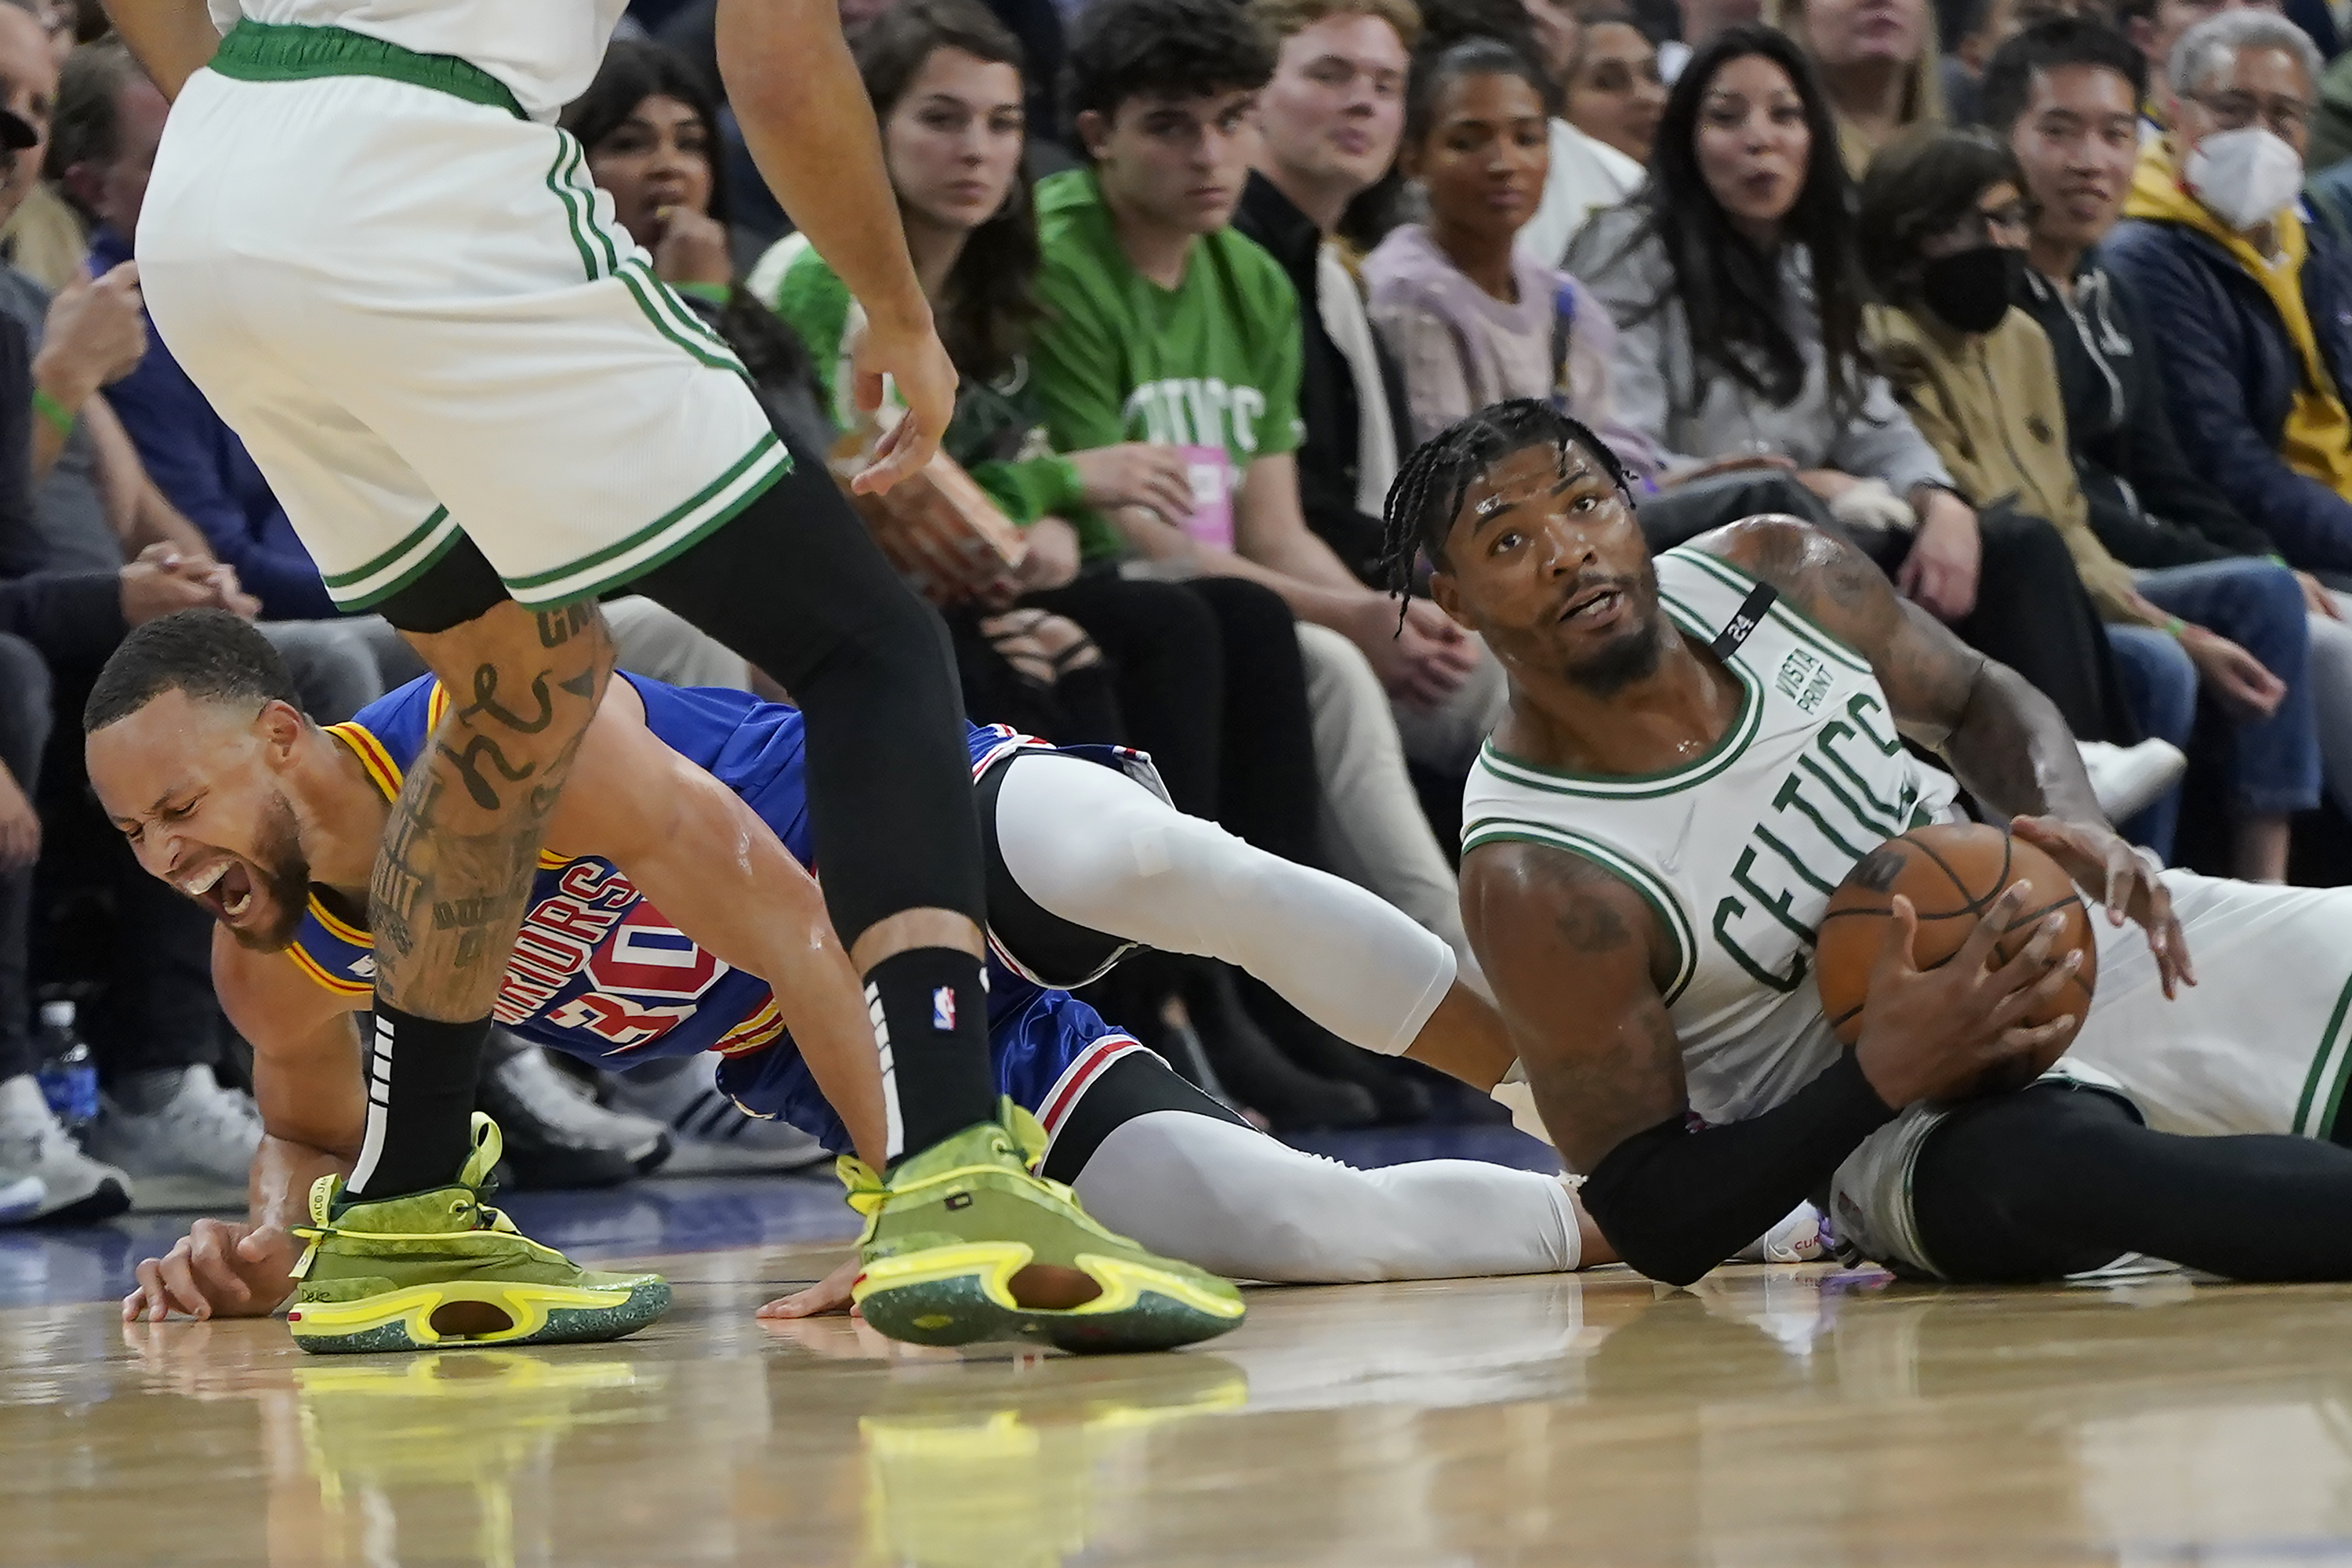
[(2057, 1179), (1212, 685), (795, 585)]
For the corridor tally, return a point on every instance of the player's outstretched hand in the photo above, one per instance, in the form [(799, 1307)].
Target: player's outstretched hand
[(830, 1294), (919, 367), (2123, 879), (1933, 1034), (221, 1269)]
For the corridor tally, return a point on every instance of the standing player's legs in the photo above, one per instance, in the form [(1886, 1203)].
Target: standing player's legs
[(796, 586), (407, 295), (453, 874)]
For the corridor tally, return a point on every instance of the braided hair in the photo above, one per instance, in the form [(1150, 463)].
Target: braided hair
[(1434, 481)]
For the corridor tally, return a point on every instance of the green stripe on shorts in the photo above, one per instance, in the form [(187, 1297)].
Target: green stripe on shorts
[(674, 531), (374, 581), (268, 51)]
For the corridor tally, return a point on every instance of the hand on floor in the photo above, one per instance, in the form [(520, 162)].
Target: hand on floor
[(830, 1294), (221, 1269)]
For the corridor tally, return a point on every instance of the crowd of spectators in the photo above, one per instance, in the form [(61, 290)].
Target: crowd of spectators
[(1209, 269)]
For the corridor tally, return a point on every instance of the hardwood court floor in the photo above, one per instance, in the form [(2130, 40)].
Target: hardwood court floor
[(1780, 1416)]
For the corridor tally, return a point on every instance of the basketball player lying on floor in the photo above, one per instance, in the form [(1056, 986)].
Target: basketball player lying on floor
[(1698, 749), (672, 915)]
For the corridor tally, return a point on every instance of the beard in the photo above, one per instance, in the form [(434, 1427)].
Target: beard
[(1632, 654), (285, 873)]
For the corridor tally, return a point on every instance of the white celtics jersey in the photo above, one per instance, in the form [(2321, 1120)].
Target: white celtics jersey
[(547, 51), (1739, 852)]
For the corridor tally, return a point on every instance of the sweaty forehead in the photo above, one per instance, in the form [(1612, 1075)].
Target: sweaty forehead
[(170, 741), (1524, 474)]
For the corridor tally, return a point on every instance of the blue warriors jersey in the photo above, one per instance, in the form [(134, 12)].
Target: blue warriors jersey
[(597, 971)]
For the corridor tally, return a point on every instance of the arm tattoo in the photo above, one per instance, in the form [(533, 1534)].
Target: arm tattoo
[(1591, 927), (2004, 739), (468, 765), (1927, 672), (485, 700)]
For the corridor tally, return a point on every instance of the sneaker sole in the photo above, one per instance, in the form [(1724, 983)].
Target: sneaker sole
[(960, 1295), (106, 1200), (536, 1315)]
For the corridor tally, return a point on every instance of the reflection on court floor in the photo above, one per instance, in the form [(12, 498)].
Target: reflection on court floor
[(1771, 1416)]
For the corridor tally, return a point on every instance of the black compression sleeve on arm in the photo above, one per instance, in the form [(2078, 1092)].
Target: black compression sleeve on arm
[(1676, 1203)]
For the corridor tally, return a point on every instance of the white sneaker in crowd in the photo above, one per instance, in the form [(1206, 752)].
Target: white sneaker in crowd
[(21, 1199), (2127, 780), (192, 1149), (557, 1138), (714, 1135), (33, 1147)]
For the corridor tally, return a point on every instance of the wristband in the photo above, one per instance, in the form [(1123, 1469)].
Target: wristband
[(2175, 626), (55, 414)]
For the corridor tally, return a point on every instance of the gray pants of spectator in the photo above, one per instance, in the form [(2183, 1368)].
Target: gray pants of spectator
[(1373, 829), (649, 640)]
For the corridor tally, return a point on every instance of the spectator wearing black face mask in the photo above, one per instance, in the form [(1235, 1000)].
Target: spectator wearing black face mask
[(1942, 233)]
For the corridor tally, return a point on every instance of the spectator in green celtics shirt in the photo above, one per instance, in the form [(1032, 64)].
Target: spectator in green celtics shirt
[(1161, 324)]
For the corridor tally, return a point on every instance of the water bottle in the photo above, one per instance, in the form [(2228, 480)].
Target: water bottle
[(68, 1079)]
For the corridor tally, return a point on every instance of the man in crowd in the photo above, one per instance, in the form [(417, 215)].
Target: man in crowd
[(1329, 121), (2256, 302), (2153, 26), (1162, 323)]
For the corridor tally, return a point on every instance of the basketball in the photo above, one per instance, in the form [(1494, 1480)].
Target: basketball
[(1951, 873)]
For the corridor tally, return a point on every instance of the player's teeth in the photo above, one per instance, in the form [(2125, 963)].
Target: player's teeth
[(235, 906), (203, 884)]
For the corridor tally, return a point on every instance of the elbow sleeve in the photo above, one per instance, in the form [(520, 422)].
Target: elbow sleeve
[(1674, 1203)]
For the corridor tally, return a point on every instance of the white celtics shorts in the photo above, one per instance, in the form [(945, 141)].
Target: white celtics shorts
[(2259, 1044), (422, 318)]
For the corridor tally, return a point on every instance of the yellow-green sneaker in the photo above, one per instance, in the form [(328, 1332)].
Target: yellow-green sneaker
[(949, 1229), (442, 1268)]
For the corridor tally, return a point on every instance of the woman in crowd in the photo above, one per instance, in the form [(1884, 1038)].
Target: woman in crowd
[(1877, 63), (1585, 172), (1210, 673), (1614, 92), (1732, 282), (1942, 231), (1472, 316)]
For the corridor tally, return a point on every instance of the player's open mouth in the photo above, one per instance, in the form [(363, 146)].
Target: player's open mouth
[(226, 888), (1596, 605)]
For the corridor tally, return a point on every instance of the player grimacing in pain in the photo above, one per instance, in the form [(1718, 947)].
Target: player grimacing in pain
[(389, 272), (1696, 750)]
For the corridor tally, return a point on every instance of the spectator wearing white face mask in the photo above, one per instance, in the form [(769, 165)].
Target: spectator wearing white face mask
[(2256, 301)]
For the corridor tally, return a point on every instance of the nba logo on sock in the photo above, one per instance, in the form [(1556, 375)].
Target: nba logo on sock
[(943, 1009)]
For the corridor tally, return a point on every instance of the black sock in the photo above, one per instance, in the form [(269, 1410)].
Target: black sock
[(931, 1007), (421, 1076)]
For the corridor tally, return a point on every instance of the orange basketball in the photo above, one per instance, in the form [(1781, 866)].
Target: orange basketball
[(1951, 873)]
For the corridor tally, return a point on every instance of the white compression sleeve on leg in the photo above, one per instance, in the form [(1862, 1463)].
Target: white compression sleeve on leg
[(1239, 1203), (1100, 850)]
